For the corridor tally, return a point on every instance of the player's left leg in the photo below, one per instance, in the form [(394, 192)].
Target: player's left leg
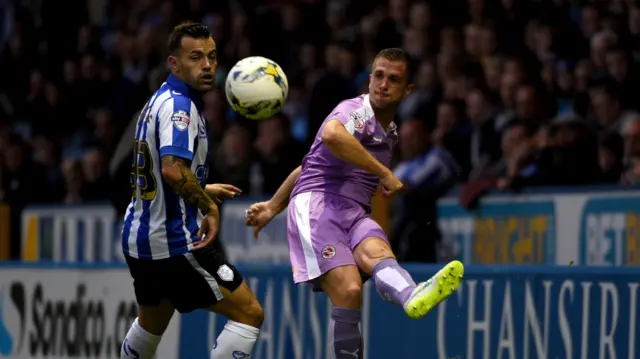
[(211, 283), (245, 316), (375, 258)]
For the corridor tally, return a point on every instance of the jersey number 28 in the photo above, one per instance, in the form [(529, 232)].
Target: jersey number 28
[(142, 171)]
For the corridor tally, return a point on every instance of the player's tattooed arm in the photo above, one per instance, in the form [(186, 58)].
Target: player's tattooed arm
[(178, 175)]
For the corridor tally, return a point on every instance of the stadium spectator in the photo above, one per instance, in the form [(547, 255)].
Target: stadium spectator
[(610, 155), (427, 172), (73, 81), (278, 153), (631, 136)]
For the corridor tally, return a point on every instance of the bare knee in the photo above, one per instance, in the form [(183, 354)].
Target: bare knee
[(344, 286), (371, 251), (240, 306), (250, 313), (348, 296), (255, 314)]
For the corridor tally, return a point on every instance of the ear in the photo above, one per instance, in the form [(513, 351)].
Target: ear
[(409, 89), (173, 63)]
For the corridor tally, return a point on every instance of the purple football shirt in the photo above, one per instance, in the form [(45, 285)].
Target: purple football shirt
[(322, 171)]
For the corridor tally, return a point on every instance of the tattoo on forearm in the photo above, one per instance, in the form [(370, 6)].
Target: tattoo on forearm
[(186, 185)]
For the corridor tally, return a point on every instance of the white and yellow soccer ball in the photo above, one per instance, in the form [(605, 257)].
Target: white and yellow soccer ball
[(256, 87)]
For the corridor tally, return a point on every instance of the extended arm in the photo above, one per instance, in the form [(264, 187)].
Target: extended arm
[(178, 128), (347, 148), (280, 199), (177, 174), (260, 214)]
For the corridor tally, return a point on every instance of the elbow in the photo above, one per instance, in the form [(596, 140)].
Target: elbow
[(169, 174), (330, 133)]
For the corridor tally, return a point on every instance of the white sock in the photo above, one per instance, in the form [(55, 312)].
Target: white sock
[(139, 343), (235, 341)]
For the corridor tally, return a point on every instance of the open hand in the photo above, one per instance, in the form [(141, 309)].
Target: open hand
[(220, 190)]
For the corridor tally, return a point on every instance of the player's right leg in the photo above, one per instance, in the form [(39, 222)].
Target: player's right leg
[(320, 256), (146, 331), (154, 311), (343, 285)]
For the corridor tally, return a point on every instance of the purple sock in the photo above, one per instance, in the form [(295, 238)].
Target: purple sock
[(344, 334), (393, 283)]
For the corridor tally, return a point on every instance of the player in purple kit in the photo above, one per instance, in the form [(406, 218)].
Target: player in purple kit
[(332, 239)]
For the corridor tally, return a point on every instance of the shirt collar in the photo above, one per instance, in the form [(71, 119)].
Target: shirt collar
[(367, 105), (180, 86)]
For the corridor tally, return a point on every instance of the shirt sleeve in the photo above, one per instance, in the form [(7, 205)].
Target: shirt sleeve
[(353, 121), (177, 128)]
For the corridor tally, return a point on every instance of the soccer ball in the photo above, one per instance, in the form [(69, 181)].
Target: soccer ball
[(256, 87)]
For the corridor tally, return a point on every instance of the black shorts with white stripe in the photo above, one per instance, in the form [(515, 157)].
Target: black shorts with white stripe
[(190, 281)]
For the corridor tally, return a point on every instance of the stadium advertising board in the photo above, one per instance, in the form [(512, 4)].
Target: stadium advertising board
[(592, 228), (610, 231), (73, 234), (521, 232), (68, 313), (501, 312), (240, 244)]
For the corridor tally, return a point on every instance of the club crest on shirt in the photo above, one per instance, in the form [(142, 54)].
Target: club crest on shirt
[(180, 120), (328, 252), (358, 120)]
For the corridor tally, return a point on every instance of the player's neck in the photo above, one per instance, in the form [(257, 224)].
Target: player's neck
[(193, 91), (384, 116)]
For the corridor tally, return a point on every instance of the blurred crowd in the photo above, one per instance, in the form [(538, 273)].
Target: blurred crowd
[(519, 92)]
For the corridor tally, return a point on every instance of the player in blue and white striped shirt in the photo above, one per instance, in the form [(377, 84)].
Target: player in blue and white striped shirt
[(166, 249)]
